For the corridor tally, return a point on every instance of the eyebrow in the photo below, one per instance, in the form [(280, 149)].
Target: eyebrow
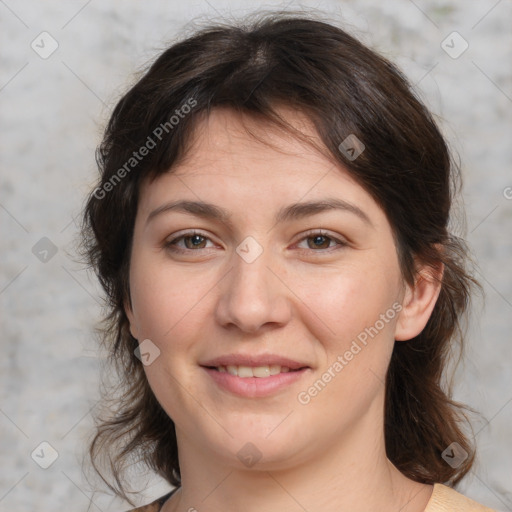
[(293, 211)]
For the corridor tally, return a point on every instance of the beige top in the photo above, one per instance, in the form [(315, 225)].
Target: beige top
[(446, 499), (443, 499)]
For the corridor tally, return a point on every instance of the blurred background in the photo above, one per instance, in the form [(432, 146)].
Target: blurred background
[(63, 67)]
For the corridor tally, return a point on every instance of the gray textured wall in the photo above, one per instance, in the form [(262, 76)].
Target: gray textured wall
[(53, 107)]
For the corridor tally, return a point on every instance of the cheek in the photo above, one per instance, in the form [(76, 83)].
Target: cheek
[(164, 299), (348, 300), (169, 311), (358, 312), (357, 307)]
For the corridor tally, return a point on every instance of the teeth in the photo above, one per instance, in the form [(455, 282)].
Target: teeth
[(245, 371), (232, 370), (253, 371)]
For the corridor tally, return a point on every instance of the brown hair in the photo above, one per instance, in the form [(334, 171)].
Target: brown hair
[(345, 89)]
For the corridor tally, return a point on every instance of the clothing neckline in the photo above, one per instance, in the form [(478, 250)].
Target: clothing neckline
[(439, 493), (162, 500), (435, 491)]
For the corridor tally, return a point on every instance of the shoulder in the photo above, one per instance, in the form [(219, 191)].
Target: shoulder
[(446, 499), (156, 505)]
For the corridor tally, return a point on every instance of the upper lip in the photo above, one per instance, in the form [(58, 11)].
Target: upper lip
[(254, 360)]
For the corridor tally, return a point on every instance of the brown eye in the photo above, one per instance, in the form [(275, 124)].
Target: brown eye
[(192, 241), (320, 241), (196, 241)]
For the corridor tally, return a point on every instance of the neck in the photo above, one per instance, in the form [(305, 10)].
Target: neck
[(354, 475)]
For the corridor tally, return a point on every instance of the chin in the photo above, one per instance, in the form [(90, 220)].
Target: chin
[(265, 449)]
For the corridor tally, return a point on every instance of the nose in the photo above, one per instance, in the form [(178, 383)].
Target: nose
[(253, 295)]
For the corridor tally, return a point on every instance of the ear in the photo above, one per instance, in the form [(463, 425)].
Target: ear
[(419, 301), (134, 330)]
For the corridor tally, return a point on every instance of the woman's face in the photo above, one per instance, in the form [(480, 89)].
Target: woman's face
[(270, 280)]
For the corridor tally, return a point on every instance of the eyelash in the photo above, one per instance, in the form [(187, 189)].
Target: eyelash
[(171, 244)]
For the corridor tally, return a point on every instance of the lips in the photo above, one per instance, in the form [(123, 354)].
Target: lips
[(255, 376), (254, 387), (254, 361)]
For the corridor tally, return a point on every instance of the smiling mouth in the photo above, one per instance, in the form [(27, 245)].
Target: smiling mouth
[(254, 371)]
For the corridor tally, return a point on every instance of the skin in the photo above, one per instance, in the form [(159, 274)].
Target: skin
[(303, 297)]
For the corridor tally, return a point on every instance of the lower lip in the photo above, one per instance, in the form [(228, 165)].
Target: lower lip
[(255, 387)]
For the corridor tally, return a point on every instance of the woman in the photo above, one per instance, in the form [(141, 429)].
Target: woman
[(270, 228)]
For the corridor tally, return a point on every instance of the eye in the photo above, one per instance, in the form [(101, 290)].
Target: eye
[(193, 240), (321, 240)]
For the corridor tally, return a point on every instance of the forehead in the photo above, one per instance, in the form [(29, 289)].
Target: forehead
[(226, 146), (226, 134), (250, 164)]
